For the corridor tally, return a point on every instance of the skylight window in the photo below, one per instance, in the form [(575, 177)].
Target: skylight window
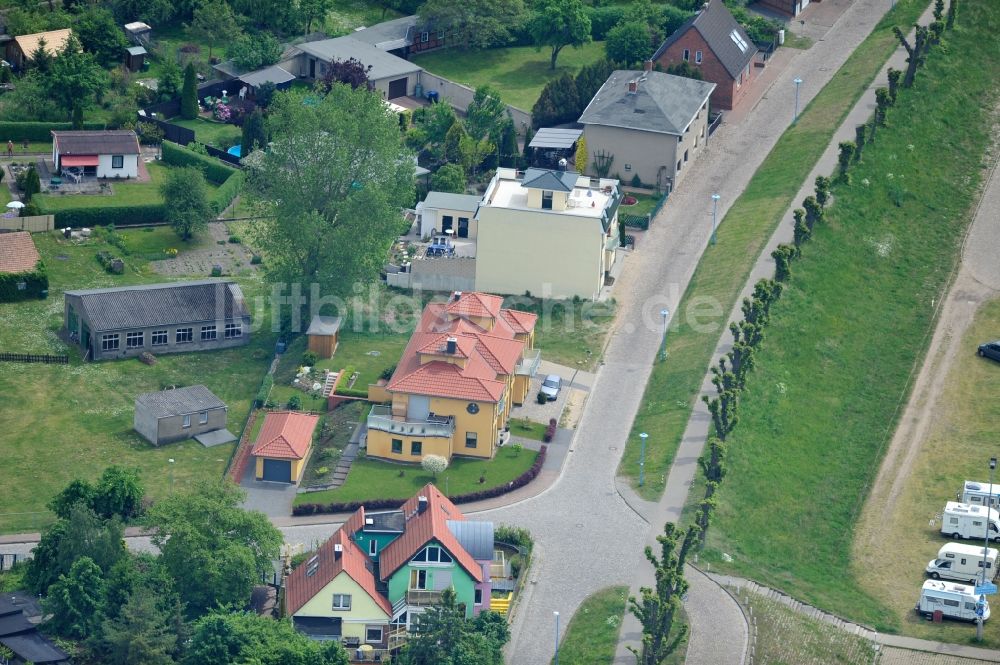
[(739, 41)]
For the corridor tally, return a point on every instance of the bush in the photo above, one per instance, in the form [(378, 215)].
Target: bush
[(39, 131), (550, 431), (213, 169), (235, 240), (309, 358), (255, 260), (514, 535), (263, 391), (36, 285), (117, 215), (226, 192), (387, 373), (541, 398), (636, 181), (110, 263), (602, 19), (294, 403)]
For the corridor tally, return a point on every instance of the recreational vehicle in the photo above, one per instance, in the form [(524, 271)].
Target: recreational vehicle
[(956, 601), (979, 494), (964, 520), (956, 561)]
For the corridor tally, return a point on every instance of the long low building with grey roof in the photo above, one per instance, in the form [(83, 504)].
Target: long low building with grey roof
[(647, 125), (160, 318)]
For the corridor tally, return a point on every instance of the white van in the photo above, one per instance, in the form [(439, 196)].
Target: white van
[(979, 494), (964, 520), (956, 561), (956, 601)]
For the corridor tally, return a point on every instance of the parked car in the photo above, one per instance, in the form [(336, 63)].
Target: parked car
[(990, 350), (551, 387)]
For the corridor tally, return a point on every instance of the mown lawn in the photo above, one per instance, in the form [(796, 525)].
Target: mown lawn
[(124, 193), (67, 421), (346, 15), (725, 266), (518, 72), (373, 479), (369, 354), (962, 437), (592, 635), (851, 328), (568, 332), (209, 132)]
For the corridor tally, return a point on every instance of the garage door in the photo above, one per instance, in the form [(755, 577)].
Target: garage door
[(279, 471), (397, 88)]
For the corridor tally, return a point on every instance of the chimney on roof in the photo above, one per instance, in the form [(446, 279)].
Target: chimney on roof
[(633, 87), (450, 348), (647, 66), (421, 505), (338, 550), (456, 296)]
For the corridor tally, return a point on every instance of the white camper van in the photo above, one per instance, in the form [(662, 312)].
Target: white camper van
[(964, 520), (956, 601), (964, 563), (979, 494)]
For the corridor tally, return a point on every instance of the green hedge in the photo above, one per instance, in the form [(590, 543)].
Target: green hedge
[(213, 169), (39, 131), (226, 192), (35, 281), (152, 213)]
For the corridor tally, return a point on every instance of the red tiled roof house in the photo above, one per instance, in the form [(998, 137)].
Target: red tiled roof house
[(381, 570), (715, 44), (451, 393), (283, 445)]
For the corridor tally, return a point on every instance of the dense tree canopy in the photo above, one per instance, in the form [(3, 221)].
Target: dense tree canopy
[(243, 638), (214, 23), (475, 23), (100, 36), (187, 207), (449, 178), (446, 637), (74, 78), (82, 534), (335, 178), (629, 43)]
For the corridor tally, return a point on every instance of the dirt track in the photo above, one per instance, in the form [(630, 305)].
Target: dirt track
[(977, 282)]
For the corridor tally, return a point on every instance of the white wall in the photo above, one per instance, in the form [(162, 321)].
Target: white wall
[(130, 167)]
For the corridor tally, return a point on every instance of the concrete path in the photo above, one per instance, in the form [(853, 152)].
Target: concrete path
[(738, 584)]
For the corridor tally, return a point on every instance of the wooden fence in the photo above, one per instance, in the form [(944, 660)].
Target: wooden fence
[(35, 223), (34, 358)]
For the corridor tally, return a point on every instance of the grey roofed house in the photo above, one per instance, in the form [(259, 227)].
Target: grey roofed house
[(449, 201), (388, 35), (716, 26), (158, 318), (383, 65), (181, 413), (556, 181), (20, 634), (660, 102), (555, 138), (179, 401), (98, 142), (476, 537), (273, 74)]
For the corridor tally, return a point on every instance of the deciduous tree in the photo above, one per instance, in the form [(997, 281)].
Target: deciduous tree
[(185, 196), (76, 600), (446, 636), (226, 638), (449, 178), (74, 77), (557, 24), (350, 71), (170, 81), (214, 23), (475, 23), (335, 177), (82, 534), (434, 464), (100, 36), (486, 114), (255, 51), (316, 10), (629, 43)]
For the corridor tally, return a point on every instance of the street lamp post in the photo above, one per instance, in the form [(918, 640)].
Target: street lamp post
[(715, 213), (171, 463), (986, 545), (665, 313), (797, 83), (642, 459), (556, 660)]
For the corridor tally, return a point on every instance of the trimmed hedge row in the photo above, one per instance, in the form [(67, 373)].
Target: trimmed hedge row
[(35, 282), (226, 192), (213, 169), (391, 504), (152, 213), (39, 131)]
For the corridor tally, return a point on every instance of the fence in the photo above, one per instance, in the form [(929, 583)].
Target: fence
[(171, 132), (223, 155), (34, 358), (714, 123), (34, 224), (460, 96)]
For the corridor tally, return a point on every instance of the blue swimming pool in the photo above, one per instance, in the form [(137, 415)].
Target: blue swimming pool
[(235, 150)]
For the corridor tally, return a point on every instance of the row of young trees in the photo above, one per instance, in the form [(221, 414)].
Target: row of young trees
[(731, 373)]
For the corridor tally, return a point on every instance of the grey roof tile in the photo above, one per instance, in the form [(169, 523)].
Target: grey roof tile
[(179, 401), (716, 24), (98, 142), (662, 103), (563, 181)]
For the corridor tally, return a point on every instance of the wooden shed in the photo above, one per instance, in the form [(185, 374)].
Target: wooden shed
[(324, 332), (135, 57)]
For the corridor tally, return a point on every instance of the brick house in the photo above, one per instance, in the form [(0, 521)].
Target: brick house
[(713, 42)]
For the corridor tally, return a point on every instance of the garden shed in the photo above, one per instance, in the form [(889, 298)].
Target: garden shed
[(324, 333), (135, 58), (177, 414)]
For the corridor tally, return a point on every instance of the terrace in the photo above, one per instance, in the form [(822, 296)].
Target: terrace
[(381, 419)]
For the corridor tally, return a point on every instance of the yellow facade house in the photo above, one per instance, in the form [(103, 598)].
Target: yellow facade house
[(551, 233), (332, 596), (466, 365)]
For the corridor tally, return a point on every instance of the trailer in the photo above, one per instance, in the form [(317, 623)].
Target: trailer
[(964, 563), (964, 520), (954, 601)]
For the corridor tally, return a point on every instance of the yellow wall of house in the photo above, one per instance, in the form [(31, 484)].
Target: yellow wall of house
[(521, 384), (378, 394), (363, 610), (298, 466), (485, 424), (549, 254), (380, 445)]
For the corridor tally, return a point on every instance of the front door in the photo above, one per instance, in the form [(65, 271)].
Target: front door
[(397, 88), (463, 227), (312, 68), (446, 223)]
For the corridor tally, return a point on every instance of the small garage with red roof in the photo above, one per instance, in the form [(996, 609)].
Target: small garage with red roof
[(282, 446)]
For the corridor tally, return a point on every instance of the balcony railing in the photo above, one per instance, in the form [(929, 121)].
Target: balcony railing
[(419, 597), (529, 364), (381, 419)]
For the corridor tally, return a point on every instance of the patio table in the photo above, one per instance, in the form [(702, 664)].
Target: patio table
[(55, 181)]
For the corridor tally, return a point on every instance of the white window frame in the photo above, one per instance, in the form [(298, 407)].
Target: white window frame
[(425, 37), (474, 439), (368, 638), (686, 55), (202, 417), (159, 335), (340, 607), (697, 57), (184, 332), (372, 547), (135, 340), (187, 420), (477, 597), (117, 161), (233, 330), (209, 333), (110, 342)]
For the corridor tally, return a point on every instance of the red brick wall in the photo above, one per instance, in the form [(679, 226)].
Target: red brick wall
[(726, 95)]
